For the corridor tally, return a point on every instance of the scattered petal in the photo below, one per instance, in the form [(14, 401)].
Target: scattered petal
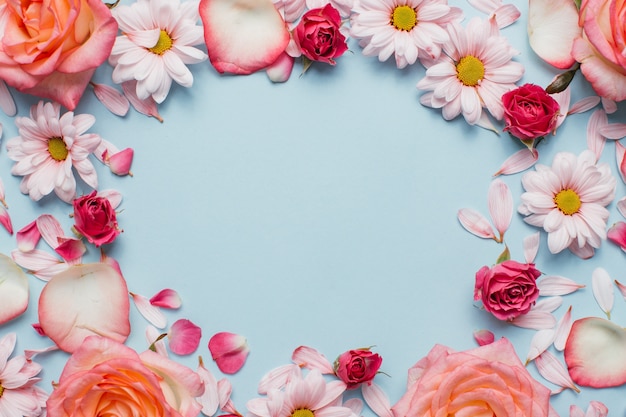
[(229, 351), (166, 298), (112, 99), (552, 370), (277, 378), (120, 162), (537, 320), (518, 162), (5, 220), (184, 337), (70, 249), (584, 105), (155, 340), (557, 285), (484, 337), (617, 235), (563, 327), (620, 151), (31, 353), (602, 287), (147, 106), (475, 223), (28, 237), (7, 104), (376, 399), (613, 130), (540, 342), (39, 263), (595, 140), (596, 409), (50, 229), (531, 247), (153, 314), (209, 399), (500, 206), (13, 290), (506, 15), (307, 357), (280, 70), (548, 304)]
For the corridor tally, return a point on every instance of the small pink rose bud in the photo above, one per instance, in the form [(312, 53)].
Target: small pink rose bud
[(355, 367)]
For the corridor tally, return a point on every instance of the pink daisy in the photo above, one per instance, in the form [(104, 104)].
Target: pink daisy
[(474, 71), (569, 201), (408, 29), (47, 148), (18, 394), (309, 396)]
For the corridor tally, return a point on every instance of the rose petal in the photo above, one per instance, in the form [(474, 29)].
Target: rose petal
[(484, 337), (617, 235), (87, 299), (166, 298), (184, 337), (518, 162), (475, 223), (5, 220), (120, 162), (602, 286), (537, 320), (500, 206), (71, 249), (13, 289), (307, 357), (28, 237), (280, 70), (229, 351), (242, 36)]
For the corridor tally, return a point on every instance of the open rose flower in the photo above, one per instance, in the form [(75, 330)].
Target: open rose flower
[(318, 37), (51, 48), (487, 381), (529, 112), (508, 289), (104, 375), (95, 218), (355, 367)]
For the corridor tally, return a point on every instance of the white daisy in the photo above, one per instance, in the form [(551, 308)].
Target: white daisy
[(568, 200), (156, 44), (474, 71), (410, 29), (47, 148)]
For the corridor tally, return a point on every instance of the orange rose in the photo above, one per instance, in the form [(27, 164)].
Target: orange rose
[(489, 380), (51, 48), (104, 375)]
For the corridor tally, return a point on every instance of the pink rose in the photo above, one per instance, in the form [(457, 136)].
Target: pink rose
[(103, 375), (489, 380), (529, 112), (508, 289), (51, 48), (357, 366), (94, 218), (317, 36), (600, 49)]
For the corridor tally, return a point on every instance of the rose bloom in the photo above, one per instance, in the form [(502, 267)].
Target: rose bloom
[(486, 381), (51, 48), (104, 377), (317, 36), (508, 289), (357, 366), (600, 49), (94, 218), (529, 112)]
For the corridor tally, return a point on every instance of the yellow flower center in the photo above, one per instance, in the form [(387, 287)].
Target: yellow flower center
[(567, 201), (1, 390), (163, 44), (57, 149), (470, 70), (404, 18), (303, 412)]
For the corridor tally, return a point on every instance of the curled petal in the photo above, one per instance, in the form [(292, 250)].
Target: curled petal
[(146, 106), (112, 99), (617, 235), (28, 237), (229, 351), (280, 70), (151, 313), (500, 205), (13, 290), (484, 337), (5, 220), (518, 162), (166, 298), (622, 288), (602, 287), (184, 337), (557, 285), (563, 327), (596, 409), (307, 357), (551, 369), (620, 151), (376, 399), (621, 206), (475, 223), (120, 162)]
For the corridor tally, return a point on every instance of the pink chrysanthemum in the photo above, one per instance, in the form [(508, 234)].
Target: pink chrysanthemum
[(409, 29), (474, 71), (157, 42), (568, 200), (47, 148), (309, 396), (18, 394)]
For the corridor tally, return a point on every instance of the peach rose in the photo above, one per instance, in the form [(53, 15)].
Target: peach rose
[(105, 375), (489, 380), (51, 48)]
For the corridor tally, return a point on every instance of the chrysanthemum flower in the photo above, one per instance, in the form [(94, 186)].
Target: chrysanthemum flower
[(409, 29), (569, 201), (474, 71), (18, 393), (47, 148), (158, 39)]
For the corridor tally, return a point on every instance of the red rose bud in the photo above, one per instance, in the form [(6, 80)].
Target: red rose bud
[(318, 36), (529, 112), (355, 367), (95, 218), (508, 289)]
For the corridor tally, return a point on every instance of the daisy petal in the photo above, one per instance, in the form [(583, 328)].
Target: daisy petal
[(7, 104), (551, 369), (184, 337), (613, 130), (500, 206), (602, 287), (563, 327), (153, 314), (595, 140), (307, 357), (229, 351), (277, 378), (112, 99), (146, 106), (376, 399), (539, 343), (518, 162), (475, 223), (209, 399), (596, 409), (557, 285), (531, 247), (13, 290), (584, 105), (537, 320)]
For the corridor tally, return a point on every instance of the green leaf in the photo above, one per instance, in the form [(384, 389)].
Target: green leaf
[(504, 256)]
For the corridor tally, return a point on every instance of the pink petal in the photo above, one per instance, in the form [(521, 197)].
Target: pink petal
[(531, 247), (552, 370), (537, 320), (475, 223), (224, 389), (506, 15), (13, 290), (70, 249), (229, 351), (64, 88), (617, 235), (621, 206), (595, 141), (557, 285), (28, 237), (548, 304), (500, 206), (609, 106), (584, 105), (151, 313), (613, 130), (147, 106), (38, 329), (622, 288), (114, 197), (50, 229), (166, 298), (620, 151), (595, 353), (518, 162), (563, 327), (7, 104), (209, 399), (242, 37), (376, 399), (111, 262), (354, 404), (280, 70), (40, 263), (31, 353), (540, 342), (485, 6), (156, 340), (307, 357), (121, 162), (112, 99), (5, 220), (277, 378), (596, 409), (484, 337), (552, 28), (184, 337), (602, 286), (84, 300)]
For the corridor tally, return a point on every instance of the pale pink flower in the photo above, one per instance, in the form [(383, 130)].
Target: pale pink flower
[(473, 72), (407, 29), (18, 393), (47, 148), (569, 201), (157, 42)]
